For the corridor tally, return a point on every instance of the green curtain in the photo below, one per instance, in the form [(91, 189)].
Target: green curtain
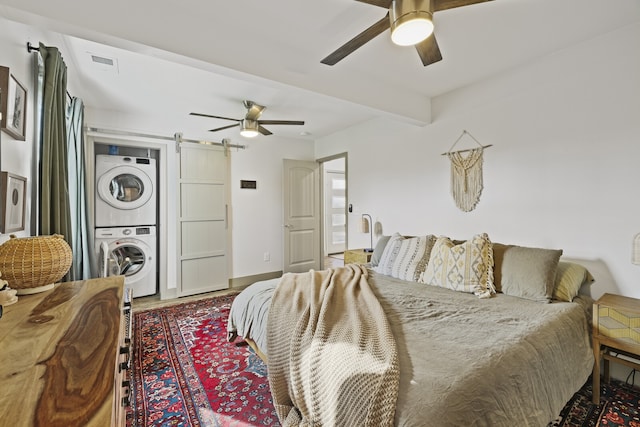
[(82, 253), (55, 216)]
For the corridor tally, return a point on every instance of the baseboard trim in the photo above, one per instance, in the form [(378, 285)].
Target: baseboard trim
[(235, 283), (167, 294), (238, 283)]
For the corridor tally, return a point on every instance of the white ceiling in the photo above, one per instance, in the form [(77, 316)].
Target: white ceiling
[(177, 57)]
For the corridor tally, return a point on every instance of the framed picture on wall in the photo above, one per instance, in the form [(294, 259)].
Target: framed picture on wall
[(12, 195), (13, 105)]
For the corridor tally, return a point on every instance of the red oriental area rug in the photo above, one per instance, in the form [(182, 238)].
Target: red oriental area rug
[(619, 407), (185, 373)]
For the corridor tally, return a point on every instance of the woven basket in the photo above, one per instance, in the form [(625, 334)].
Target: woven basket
[(34, 264)]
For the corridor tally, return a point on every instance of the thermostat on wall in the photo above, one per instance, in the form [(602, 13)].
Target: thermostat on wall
[(248, 184)]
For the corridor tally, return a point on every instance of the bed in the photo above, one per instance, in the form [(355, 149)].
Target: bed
[(462, 360)]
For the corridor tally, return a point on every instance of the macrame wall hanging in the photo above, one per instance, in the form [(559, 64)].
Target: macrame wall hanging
[(466, 174)]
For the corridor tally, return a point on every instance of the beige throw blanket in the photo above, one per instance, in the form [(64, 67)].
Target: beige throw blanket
[(332, 356)]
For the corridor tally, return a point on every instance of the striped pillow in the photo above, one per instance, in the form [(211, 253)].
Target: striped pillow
[(389, 254), (413, 256), (466, 267)]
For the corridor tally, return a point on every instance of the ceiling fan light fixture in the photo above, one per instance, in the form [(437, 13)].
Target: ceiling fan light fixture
[(411, 21), (249, 128)]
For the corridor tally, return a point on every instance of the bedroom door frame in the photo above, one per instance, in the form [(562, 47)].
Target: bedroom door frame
[(334, 213), (322, 161)]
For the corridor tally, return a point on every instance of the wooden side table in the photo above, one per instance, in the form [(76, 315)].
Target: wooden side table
[(616, 332), (356, 256)]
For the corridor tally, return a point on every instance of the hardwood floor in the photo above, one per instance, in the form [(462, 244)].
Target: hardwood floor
[(154, 301), (334, 260)]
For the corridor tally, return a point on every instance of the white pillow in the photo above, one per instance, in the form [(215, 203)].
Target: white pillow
[(412, 258)]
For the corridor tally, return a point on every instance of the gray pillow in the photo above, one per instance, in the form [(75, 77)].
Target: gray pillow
[(529, 272), (379, 249), (498, 254)]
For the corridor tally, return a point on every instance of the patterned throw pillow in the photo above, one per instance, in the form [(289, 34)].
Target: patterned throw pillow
[(389, 255), (412, 258), (466, 267)]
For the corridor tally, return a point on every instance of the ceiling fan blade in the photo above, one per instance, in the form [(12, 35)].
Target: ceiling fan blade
[(357, 41), (264, 131), (429, 51), (280, 122), (450, 4), (253, 110), (224, 127), (380, 3), (213, 117)]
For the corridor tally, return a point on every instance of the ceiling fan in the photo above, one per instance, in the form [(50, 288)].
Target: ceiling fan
[(411, 23), (250, 125)]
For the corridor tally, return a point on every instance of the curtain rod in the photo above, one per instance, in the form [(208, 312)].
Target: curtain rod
[(176, 137), (31, 48)]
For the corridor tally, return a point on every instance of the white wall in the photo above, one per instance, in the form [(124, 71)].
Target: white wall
[(257, 214), (15, 156), (563, 171)]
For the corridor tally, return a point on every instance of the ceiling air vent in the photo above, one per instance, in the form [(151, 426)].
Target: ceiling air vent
[(104, 63), (102, 60)]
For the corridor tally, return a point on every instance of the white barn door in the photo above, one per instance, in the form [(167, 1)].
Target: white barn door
[(203, 219)]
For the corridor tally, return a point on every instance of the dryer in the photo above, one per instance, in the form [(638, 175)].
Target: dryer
[(125, 191), (131, 252)]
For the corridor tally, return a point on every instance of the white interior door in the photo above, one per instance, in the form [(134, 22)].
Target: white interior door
[(301, 216), (203, 222), (335, 208)]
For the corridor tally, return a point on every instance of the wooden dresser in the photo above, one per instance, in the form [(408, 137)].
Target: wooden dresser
[(64, 356)]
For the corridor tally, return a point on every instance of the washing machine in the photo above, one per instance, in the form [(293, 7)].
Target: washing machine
[(125, 191), (131, 252)]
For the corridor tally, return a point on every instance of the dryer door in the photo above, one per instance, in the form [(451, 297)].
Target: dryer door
[(106, 263), (125, 187), (130, 258)]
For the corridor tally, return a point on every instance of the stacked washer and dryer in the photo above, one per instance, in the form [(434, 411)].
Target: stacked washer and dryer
[(126, 212)]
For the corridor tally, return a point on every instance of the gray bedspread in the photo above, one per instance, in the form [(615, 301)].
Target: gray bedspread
[(249, 311), (464, 361)]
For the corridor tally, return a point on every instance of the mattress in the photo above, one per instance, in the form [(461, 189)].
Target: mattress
[(499, 361)]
